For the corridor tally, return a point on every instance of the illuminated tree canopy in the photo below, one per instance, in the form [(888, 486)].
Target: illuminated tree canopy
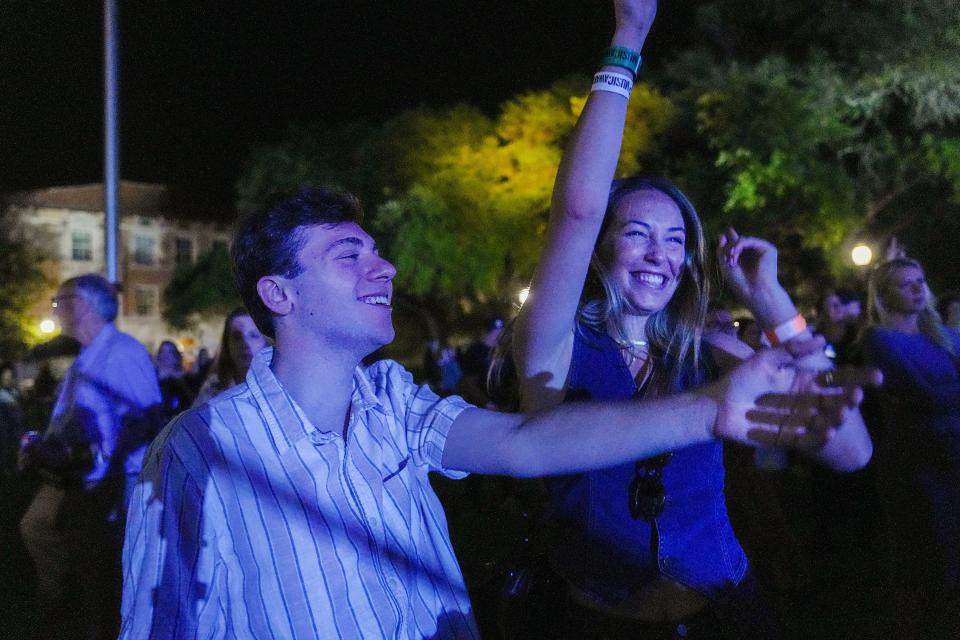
[(21, 277), (815, 140), (459, 199)]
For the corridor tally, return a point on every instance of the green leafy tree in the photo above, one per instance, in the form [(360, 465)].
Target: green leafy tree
[(856, 34), (818, 153), (467, 224), (765, 157), (812, 130), (310, 154), (792, 120), (21, 280), (204, 288)]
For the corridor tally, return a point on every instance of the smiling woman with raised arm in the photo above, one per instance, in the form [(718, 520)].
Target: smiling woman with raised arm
[(616, 311)]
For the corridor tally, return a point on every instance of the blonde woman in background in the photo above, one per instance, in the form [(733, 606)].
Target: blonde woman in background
[(915, 419)]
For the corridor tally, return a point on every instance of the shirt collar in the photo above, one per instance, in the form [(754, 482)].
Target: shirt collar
[(91, 352), (364, 396), (286, 421)]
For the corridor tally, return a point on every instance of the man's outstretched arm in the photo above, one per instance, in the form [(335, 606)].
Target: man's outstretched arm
[(749, 267), (754, 405)]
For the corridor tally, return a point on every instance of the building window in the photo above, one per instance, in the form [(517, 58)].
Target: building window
[(143, 250), (184, 251), (81, 246), (145, 301)]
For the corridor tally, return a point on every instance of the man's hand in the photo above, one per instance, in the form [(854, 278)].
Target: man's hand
[(769, 401)]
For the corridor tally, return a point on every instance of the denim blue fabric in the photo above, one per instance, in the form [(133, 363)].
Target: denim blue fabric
[(598, 546)]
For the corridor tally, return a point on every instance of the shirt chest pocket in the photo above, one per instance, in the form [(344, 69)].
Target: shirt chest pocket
[(397, 467), (397, 489)]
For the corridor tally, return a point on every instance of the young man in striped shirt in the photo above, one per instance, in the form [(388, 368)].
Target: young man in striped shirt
[(297, 505)]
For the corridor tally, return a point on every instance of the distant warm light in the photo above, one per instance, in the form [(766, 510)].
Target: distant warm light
[(522, 296), (47, 326), (736, 323), (861, 255)]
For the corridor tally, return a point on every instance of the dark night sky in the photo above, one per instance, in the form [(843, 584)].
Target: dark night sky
[(202, 82)]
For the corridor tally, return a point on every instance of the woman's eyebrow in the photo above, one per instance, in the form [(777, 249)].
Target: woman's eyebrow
[(647, 225)]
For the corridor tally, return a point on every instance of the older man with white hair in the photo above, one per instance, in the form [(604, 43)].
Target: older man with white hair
[(90, 452)]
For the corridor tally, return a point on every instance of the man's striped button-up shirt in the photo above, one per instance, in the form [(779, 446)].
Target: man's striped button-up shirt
[(249, 522)]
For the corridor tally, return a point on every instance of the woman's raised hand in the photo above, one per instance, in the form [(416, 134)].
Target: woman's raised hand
[(635, 15), (748, 265)]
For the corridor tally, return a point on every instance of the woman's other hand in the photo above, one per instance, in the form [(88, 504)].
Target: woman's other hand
[(748, 265)]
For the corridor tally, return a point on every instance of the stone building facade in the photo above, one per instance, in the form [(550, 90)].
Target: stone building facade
[(68, 223)]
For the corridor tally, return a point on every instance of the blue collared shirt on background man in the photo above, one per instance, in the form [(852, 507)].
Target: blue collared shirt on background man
[(110, 382), (250, 522)]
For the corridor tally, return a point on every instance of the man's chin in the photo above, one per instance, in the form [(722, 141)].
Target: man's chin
[(382, 338), (376, 345), (387, 338)]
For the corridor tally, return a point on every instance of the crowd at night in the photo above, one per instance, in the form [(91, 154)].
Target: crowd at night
[(697, 422)]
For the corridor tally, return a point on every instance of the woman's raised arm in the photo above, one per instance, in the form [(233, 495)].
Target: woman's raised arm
[(544, 334), (749, 266)]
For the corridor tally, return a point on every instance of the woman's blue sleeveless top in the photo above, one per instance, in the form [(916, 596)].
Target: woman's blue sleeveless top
[(598, 545)]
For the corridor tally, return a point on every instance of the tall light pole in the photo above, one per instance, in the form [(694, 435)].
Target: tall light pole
[(111, 161)]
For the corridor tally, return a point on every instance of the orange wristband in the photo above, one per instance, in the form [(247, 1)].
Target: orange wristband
[(786, 331)]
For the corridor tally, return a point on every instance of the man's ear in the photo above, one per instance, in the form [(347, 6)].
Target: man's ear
[(273, 292)]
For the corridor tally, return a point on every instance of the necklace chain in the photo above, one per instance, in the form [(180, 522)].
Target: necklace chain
[(636, 349), (632, 344)]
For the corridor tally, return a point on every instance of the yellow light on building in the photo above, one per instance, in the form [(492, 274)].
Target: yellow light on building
[(861, 255)]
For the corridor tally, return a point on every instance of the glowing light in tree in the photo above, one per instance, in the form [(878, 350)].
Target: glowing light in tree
[(861, 255)]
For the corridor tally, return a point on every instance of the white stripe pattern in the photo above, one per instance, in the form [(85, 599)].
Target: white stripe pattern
[(248, 522)]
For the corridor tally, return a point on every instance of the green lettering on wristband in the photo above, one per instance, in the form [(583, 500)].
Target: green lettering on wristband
[(623, 57)]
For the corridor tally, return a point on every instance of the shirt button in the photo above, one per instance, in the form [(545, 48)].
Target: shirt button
[(320, 438)]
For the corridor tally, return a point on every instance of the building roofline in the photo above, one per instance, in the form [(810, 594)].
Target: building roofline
[(138, 198)]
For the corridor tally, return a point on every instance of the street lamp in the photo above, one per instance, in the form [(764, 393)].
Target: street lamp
[(861, 255), (522, 296), (47, 326)]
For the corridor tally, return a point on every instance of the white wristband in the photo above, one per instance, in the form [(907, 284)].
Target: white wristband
[(613, 82)]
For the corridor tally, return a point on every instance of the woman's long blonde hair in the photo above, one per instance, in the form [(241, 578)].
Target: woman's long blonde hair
[(674, 332), (931, 325)]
